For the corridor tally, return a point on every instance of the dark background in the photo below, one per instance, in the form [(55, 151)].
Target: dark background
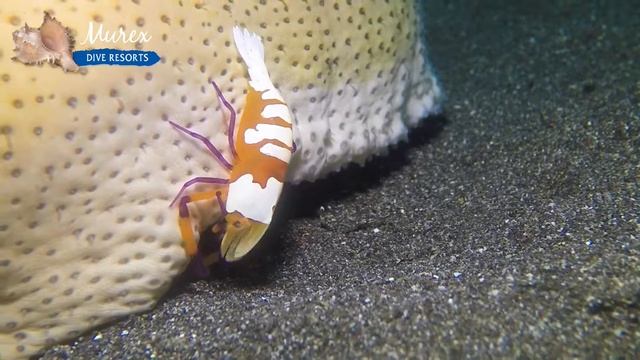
[(507, 227)]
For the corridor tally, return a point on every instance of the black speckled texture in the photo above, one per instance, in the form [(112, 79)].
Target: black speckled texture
[(509, 227)]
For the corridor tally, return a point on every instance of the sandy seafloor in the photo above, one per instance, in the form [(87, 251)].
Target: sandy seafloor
[(509, 227)]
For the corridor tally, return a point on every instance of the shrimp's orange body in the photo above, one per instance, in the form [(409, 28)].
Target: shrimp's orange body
[(262, 149)]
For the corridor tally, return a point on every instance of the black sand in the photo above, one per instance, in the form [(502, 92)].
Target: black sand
[(509, 227)]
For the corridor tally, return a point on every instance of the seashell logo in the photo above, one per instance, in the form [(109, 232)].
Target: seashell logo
[(50, 43), (53, 43)]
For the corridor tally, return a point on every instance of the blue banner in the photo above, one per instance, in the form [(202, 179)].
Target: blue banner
[(115, 57)]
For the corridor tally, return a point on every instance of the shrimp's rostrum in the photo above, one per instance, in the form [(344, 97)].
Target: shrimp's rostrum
[(261, 146)]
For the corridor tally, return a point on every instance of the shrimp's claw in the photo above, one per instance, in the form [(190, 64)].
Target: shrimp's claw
[(241, 236)]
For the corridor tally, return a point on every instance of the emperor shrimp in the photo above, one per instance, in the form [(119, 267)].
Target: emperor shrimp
[(261, 150)]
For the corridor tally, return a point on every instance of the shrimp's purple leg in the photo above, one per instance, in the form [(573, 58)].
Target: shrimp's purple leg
[(232, 118), (216, 153), (186, 232), (197, 180), (198, 267), (184, 219)]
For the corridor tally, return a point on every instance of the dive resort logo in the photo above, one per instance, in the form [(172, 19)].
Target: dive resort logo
[(53, 43)]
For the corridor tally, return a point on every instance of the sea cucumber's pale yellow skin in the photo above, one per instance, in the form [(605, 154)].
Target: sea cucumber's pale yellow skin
[(89, 164)]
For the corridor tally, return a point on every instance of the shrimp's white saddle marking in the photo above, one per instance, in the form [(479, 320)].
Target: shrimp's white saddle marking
[(268, 132), (272, 94), (244, 194), (276, 151), (276, 111)]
